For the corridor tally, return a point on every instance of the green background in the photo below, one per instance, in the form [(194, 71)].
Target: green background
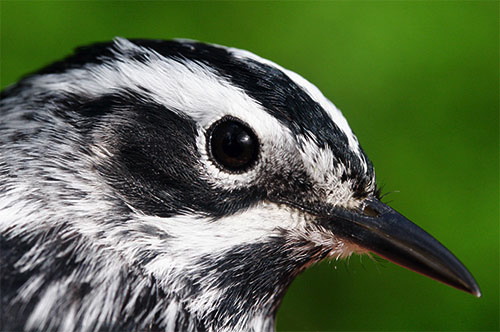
[(419, 84)]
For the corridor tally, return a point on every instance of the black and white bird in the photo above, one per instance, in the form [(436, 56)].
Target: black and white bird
[(179, 186)]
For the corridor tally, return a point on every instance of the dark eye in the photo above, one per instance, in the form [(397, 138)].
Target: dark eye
[(233, 145)]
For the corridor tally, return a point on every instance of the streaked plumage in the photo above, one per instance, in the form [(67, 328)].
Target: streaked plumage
[(115, 215)]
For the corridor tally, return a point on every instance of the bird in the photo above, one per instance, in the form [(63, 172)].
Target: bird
[(152, 185)]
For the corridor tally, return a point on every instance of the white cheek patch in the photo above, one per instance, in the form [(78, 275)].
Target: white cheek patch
[(208, 236), (213, 238)]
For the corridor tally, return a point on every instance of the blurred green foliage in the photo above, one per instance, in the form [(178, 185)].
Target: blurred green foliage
[(419, 84)]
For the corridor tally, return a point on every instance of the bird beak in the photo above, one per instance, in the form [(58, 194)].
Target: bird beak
[(381, 230)]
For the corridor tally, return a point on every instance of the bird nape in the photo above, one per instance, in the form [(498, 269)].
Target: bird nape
[(181, 186)]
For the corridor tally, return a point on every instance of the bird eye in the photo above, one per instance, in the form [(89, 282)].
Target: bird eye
[(233, 145)]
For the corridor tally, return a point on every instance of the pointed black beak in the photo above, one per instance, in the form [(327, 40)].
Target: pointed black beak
[(380, 229)]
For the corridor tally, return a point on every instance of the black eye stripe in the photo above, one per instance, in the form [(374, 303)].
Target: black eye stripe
[(232, 145)]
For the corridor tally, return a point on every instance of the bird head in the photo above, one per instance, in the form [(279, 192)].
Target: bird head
[(186, 184)]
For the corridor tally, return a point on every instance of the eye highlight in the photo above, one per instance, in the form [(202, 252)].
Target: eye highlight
[(233, 145)]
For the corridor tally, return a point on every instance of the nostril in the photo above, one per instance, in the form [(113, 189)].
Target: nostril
[(371, 212)]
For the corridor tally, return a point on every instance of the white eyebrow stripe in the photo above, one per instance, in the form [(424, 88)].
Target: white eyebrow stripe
[(184, 86)]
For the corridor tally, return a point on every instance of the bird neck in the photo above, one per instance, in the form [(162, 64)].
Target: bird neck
[(238, 290)]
